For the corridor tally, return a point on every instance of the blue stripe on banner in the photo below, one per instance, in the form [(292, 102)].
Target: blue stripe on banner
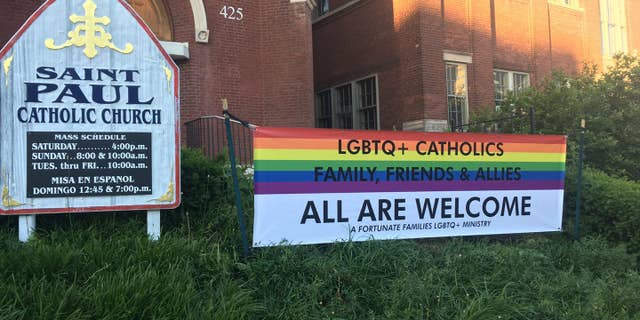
[(364, 175)]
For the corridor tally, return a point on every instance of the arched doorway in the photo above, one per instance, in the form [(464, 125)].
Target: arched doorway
[(155, 14)]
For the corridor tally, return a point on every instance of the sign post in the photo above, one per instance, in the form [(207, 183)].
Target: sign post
[(153, 225), (89, 105), (26, 227), (576, 228)]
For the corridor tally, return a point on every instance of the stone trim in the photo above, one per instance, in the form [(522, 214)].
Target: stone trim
[(455, 56), (200, 21), (177, 50)]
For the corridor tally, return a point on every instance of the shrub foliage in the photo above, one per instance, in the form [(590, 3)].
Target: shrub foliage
[(610, 103)]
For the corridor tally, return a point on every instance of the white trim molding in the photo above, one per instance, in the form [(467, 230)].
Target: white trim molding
[(200, 21), (311, 3), (455, 56), (177, 50)]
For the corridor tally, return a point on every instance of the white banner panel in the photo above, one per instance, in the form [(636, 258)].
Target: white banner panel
[(312, 218)]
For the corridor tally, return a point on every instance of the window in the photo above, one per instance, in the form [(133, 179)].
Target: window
[(520, 82), (323, 109), (323, 7), (508, 81), (368, 106), (613, 27), (456, 75), (350, 106), (500, 86), (344, 105)]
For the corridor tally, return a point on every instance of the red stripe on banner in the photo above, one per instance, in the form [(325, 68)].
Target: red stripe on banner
[(310, 133)]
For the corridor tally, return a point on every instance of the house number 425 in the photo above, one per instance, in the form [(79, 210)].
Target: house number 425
[(232, 13)]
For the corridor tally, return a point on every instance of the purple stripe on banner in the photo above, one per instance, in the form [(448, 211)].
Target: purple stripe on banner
[(357, 187)]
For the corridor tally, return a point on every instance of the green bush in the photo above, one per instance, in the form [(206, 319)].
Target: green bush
[(208, 198), (610, 103), (610, 207), (203, 180), (206, 182)]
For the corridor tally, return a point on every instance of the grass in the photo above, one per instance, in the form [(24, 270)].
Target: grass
[(101, 266)]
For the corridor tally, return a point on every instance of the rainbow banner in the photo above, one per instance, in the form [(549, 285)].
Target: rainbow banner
[(321, 186)]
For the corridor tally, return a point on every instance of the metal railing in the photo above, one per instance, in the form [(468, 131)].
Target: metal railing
[(520, 121), (208, 134)]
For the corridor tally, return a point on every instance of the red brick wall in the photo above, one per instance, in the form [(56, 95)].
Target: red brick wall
[(287, 63), (263, 64), (512, 38), (13, 13), (432, 66), (521, 35), (457, 25), (592, 44), (480, 78), (566, 38), (633, 24), (382, 40)]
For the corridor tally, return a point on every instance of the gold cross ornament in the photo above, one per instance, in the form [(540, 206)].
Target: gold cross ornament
[(94, 35)]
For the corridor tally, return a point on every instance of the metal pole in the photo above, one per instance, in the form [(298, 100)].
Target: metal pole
[(579, 182), (234, 175)]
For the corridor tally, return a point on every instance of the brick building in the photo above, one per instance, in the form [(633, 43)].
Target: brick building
[(422, 64), (255, 53), (377, 64)]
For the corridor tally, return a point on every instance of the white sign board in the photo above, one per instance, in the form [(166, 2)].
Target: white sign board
[(89, 113)]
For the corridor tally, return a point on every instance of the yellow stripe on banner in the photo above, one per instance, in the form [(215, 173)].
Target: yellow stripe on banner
[(290, 154)]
